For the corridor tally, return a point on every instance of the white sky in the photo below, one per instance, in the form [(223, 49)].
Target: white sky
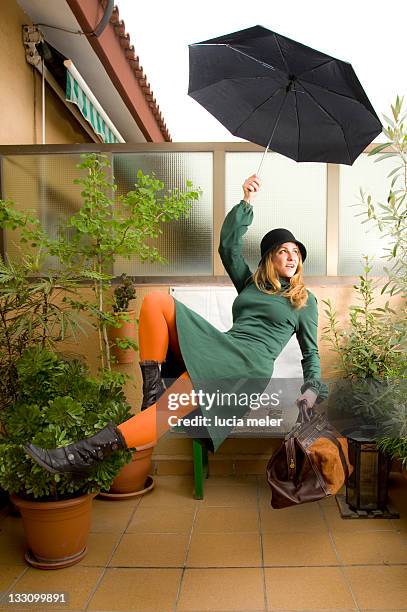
[(351, 30)]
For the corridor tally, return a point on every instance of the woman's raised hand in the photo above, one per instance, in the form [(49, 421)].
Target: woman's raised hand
[(250, 187)]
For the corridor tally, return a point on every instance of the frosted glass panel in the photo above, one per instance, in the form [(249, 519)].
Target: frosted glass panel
[(187, 243), (357, 239), (42, 184), (293, 195)]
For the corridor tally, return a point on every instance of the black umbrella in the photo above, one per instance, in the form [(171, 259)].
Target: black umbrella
[(281, 94)]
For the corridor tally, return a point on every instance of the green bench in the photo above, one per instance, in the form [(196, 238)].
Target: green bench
[(201, 467)]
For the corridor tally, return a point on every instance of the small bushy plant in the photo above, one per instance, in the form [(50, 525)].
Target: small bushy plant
[(390, 218), (58, 403), (370, 345), (105, 227), (371, 362), (123, 294)]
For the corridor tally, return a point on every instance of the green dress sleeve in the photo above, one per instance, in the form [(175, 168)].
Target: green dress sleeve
[(231, 243), (307, 336)]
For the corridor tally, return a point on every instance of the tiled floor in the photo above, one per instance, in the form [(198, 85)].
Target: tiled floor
[(167, 552)]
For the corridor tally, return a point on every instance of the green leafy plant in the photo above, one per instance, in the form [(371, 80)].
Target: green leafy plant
[(391, 220), (58, 403), (31, 314), (370, 346), (371, 350), (123, 293), (45, 398), (370, 359), (396, 447), (105, 227), (391, 217)]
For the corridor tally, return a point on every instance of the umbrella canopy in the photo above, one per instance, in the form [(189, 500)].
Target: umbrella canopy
[(276, 92)]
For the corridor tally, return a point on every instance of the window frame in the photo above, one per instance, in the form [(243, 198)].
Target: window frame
[(219, 150)]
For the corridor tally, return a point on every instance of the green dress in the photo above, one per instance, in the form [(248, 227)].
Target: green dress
[(242, 358)]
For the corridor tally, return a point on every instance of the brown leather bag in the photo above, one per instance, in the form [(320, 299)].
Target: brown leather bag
[(312, 463)]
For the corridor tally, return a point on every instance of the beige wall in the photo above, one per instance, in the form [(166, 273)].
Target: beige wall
[(20, 91)]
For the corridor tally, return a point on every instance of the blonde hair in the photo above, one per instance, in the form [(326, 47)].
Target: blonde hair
[(266, 275)]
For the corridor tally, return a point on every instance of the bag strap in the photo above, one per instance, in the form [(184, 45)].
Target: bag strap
[(328, 434)]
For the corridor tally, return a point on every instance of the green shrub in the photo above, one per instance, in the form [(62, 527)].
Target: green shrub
[(58, 403)]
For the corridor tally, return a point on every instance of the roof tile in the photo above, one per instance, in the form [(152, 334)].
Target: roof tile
[(133, 60)]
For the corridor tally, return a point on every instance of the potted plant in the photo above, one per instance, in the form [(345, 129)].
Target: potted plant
[(134, 478), (107, 228), (390, 219), (365, 401), (123, 335), (371, 395), (56, 402), (88, 245)]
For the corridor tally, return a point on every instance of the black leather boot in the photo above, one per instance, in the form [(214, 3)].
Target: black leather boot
[(153, 386), (81, 456)]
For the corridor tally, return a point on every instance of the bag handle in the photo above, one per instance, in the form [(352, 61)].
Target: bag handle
[(305, 414)]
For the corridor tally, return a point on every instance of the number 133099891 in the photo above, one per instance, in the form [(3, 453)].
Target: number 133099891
[(29, 598)]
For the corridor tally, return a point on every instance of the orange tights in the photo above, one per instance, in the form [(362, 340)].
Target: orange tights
[(157, 331)]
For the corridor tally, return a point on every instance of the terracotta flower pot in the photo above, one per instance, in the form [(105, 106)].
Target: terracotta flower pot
[(132, 477), (57, 531), (126, 329)]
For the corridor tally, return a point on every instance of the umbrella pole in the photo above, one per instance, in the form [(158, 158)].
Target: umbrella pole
[(262, 160), (272, 133)]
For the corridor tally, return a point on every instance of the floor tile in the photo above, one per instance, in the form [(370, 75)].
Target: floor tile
[(371, 547), (77, 582), (141, 590), (224, 550), (300, 519), (241, 495), (379, 587), (170, 491), (111, 516), (12, 547), (223, 590), (338, 524), (310, 588), (211, 519), (230, 481), (162, 520), (151, 550), (327, 501), (8, 575), (298, 549), (173, 480), (224, 559), (399, 525), (100, 549)]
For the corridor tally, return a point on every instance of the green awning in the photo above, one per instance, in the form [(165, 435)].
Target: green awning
[(75, 94)]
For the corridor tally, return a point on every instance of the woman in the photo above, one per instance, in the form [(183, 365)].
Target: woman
[(272, 304)]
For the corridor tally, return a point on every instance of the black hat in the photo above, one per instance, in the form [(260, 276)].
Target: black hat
[(276, 237)]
